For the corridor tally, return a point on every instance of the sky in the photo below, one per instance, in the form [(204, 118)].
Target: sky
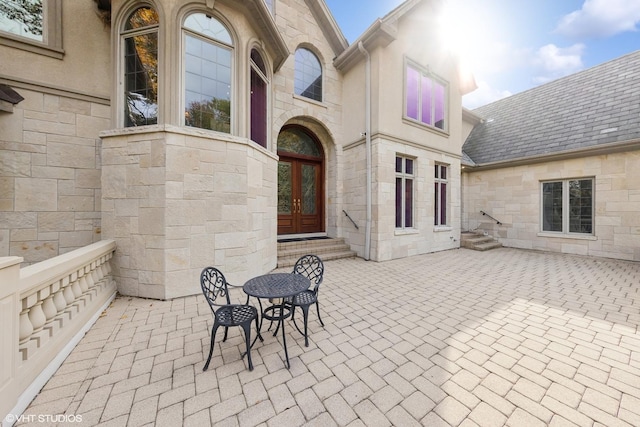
[(514, 45)]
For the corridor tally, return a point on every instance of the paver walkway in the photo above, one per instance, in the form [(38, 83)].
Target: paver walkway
[(456, 338)]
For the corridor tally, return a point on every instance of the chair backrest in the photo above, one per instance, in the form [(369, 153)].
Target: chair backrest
[(214, 286), (312, 268)]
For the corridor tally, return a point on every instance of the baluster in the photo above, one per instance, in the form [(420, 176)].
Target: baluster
[(49, 309), (69, 296), (82, 282), (37, 317), (59, 300), (75, 285), (26, 328)]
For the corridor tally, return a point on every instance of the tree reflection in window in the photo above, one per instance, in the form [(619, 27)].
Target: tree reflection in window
[(141, 67), (208, 57), (23, 18), (295, 140)]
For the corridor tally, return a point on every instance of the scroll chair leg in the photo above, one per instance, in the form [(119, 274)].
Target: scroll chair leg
[(247, 335), (318, 310), (226, 331), (258, 330), (305, 312), (213, 338)]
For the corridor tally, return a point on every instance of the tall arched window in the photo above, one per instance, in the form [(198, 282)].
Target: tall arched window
[(258, 99), (140, 38), (207, 73), (308, 75)]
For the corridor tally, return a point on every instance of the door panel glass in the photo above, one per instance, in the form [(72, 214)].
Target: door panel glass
[(308, 189), (285, 188), (297, 141)]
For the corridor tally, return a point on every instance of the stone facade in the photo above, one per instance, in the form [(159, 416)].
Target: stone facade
[(176, 199), (512, 196)]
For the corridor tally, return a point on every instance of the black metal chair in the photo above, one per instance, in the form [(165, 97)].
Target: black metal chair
[(215, 286), (312, 268)]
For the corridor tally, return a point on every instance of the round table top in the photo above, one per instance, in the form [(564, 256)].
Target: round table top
[(276, 285)]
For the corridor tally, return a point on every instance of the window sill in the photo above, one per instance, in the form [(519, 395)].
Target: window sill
[(309, 100), (568, 236), (31, 46), (424, 126), (406, 231), (441, 228)]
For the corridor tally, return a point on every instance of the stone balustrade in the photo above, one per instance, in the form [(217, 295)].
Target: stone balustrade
[(45, 309)]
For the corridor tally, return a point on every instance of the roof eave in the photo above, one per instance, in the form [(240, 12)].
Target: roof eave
[(378, 34), (596, 150), (328, 25)]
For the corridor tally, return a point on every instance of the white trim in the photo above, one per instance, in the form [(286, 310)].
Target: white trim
[(33, 390)]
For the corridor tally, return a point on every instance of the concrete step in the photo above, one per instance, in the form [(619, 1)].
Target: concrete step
[(478, 242), (326, 249)]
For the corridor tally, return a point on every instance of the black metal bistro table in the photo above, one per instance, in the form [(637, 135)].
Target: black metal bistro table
[(276, 286)]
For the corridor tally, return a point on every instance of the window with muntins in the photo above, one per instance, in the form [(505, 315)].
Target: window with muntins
[(258, 99), (308, 75), (440, 195), (33, 25), (568, 206), (140, 39), (426, 98), (208, 51), (404, 192)]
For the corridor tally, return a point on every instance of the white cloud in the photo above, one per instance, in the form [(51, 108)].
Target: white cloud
[(483, 95), (601, 18), (552, 62)]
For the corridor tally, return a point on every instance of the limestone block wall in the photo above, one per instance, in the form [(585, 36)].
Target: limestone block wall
[(512, 196), (50, 173), (177, 199), (387, 242)]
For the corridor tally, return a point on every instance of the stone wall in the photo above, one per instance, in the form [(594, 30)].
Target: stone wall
[(512, 196), (50, 174)]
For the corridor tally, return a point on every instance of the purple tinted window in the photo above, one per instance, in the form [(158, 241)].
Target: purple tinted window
[(443, 172), (398, 202), (439, 105), (443, 204), (409, 167), (435, 205), (413, 81), (398, 164), (426, 100), (408, 206)]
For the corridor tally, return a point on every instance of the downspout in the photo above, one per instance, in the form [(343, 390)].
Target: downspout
[(367, 83)]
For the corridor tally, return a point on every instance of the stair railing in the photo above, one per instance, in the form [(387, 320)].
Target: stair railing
[(486, 214), (351, 219)]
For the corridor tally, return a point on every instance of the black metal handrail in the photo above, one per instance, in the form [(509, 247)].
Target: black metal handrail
[(351, 219), (486, 214)]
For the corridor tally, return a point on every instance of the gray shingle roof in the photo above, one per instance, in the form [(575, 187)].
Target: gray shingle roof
[(597, 106)]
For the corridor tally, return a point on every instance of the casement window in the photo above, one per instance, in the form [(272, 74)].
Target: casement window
[(32, 25), (258, 99), (440, 195), (404, 192), (568, 206), (308, 75), (140, 46), (426, 98), (208, 52)]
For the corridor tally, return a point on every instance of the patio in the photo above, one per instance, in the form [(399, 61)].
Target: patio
[(504, 337)]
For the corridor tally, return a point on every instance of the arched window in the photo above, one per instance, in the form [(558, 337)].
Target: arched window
[(207, 73), (308, 75), (140, 38), (258, 99)]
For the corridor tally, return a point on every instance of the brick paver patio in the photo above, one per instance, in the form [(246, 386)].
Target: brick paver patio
[(457, 338)]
